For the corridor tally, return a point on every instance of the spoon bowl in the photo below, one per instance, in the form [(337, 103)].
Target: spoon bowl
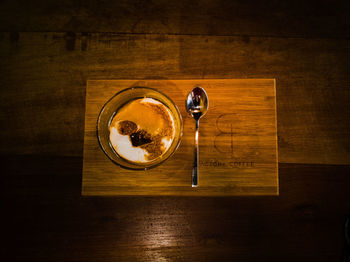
[(197, 105), (197, 102)]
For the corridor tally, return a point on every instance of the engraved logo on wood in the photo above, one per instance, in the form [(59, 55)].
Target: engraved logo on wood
[(225, 129), (224, 144)]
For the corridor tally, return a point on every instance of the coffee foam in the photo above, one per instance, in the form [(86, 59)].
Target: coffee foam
[(146, 118), (123, 146)]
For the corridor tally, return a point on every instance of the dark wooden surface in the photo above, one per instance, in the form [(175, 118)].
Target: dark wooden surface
[(48, 49)]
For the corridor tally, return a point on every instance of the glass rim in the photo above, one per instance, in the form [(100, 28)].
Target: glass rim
[(148, 165)]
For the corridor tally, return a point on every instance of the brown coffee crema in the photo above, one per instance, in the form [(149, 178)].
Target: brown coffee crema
[(147, 122)]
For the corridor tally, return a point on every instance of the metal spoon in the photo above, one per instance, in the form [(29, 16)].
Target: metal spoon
[(197, 104)]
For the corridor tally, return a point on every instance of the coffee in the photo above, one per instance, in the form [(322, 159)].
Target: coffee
[(142, 130)]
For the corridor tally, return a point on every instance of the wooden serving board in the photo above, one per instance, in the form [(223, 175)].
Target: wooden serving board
[(238, 142)]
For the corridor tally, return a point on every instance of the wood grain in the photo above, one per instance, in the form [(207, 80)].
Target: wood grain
[(47, 220), (238, 142), (43, 81), (288, 18), (48, 49)]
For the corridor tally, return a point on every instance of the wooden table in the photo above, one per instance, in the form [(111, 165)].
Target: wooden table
[(49, 49)]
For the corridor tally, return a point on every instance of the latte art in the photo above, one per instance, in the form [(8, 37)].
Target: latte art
[(142, 130)]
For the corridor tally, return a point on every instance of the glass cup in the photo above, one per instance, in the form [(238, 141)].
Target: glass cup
[(110, 109)]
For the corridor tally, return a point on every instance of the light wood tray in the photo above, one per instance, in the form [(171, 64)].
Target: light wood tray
[(238, 142)]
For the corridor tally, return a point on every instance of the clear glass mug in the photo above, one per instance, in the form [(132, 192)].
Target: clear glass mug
[(109, 110)]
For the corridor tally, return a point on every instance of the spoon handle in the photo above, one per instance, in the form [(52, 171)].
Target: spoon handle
[(196, 157)]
